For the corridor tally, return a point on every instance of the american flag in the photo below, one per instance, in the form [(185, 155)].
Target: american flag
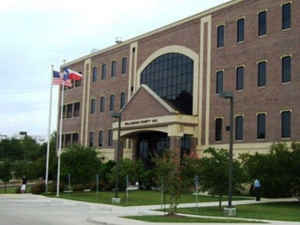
[(61, 78)]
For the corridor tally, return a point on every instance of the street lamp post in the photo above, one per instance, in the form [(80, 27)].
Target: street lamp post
[(229, 95), (118, 116)]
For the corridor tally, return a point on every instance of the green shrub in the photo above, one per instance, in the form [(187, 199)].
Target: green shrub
[(79, 187), (38, 188), (52, 187)]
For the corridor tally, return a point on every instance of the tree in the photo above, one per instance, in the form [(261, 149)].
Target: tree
[(169, 174), (5, 173), (81, 162), (214, 173)]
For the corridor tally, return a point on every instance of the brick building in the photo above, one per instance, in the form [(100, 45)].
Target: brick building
[(166, 84)]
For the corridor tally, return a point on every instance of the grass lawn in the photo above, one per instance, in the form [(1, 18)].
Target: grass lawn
[(136, 198), (12, 190), (183, 219), (285, 211)]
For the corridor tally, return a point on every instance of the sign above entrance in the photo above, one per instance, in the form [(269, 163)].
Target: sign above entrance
[(140, 122)]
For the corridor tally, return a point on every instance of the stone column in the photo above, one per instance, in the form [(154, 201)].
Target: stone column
[(175, 147)]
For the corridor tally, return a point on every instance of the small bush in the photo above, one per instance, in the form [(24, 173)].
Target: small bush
[(38, 188), (79, 187), (52, 187), (18, 189)]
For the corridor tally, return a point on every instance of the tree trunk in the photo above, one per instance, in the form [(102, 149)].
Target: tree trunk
[(220, 201)]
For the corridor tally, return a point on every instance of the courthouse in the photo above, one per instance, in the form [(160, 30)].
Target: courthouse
[(166, 84)]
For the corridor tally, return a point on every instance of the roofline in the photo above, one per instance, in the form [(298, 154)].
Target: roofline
[(169, 26)]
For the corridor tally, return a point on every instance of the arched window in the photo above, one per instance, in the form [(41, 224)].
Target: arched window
[(171, 77)]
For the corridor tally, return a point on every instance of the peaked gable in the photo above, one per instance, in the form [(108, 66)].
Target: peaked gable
[(146, 103)]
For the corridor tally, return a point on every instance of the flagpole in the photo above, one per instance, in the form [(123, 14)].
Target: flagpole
[(49, 131), (60, 139)]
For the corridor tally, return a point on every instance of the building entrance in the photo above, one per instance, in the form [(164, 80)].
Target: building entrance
[(149, 145)]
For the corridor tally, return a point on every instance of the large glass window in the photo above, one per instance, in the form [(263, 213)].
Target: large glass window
[(76, 109), (124, 65), (240, 30), (286, 69), (69, 110), (262, 23), (286, 16), (239, 128), (110, 138), (220, 36), (219, 84), (240, 78), (122, 100), (94, 74), (75, 138), (103, 72), (262, 74), (113, 68), (219, 127), (261, 126), (112, 103), (91, 139), (286, 124), (100, 139), (102, 104), (93, 106), (171, 77)]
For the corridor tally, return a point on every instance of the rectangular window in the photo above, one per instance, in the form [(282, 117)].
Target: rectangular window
[(286, 16), (75, 139), (68, 139), (100, 139), (240, 30), (93, 106), (261, 126), (122, 100), (286, 69), (219, 127), (112, 103), (76, 109), (94, 74), (262, 23), (91, 139), (103, 72), (239, 128), (64, 111), (262, 74), (110, 138), (102, 104), (124, 65), (219, 85), (286, 124), (113, 68), (240, 78), (69, 110), (220, 36)]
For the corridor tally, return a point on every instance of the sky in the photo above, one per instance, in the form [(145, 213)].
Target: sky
[(36, 34)]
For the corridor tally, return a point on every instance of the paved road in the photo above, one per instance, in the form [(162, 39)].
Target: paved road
[(27, 209)]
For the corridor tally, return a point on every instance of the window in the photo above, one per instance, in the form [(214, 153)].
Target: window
[(124, 65), (262, 23), (93, 106), (240, 30), (68, 140), (64, 111), (75, 139), (262, 74), (102, 104), (69, 110), (219, 85), (91, 139), (286, 16), (171, 77), (112, 103), (286, 69), (239, 128), (122, 100), (110, 138), (103, 72), (220, 36), (100, 139), (94, 74), (76, 109), (240, 78), (286, 124), (219, 127), (113, 68), (78, 82), (261, 126)]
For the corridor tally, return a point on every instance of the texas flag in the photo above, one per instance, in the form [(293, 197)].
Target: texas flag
[(73, 75)]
